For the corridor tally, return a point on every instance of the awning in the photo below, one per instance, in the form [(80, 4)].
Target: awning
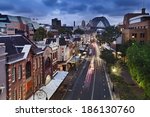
[(48, 90)]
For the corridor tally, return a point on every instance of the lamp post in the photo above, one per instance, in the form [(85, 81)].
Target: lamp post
[(75, 63), (41, 94), (114, 70)]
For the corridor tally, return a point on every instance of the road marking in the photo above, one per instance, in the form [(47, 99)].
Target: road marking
[(108, 83), (104, 89), (93, 85), (104, 96), (70, 90)]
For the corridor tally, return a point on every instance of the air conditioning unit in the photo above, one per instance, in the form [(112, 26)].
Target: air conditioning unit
[(2, 87)]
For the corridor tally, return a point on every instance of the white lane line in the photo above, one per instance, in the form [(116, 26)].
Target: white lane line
[(104, 89), (108, 83), (93, 85), (104, 96)]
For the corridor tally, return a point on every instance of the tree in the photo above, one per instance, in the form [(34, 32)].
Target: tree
[(139, 65), (109, 34), (64, 30), (39, 34), (108, 56), (50, 34), (79, 31)]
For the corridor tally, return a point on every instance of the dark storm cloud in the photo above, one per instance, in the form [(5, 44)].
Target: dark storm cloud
[(24, 7), (127, 3), (82, 8), (70, 7), (76, 9), (6, 7), (50, 3), (117, 7)]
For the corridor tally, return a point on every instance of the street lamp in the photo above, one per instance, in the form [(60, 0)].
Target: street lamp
[(41, 94), (114, 70)]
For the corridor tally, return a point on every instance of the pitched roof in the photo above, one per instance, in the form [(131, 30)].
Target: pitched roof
[(10, 47), (62, 41), (49, 40), (14, 42)]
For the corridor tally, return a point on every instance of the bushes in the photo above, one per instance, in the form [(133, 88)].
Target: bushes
[(139, 65)]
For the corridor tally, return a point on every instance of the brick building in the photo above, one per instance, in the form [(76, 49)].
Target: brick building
[(136, 26), (24, 67), (50, 58), (13, 25)]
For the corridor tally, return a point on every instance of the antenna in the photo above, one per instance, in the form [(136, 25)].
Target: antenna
[(143, 4)]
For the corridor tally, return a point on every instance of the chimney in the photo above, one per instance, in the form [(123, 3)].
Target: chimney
[(143, 11)]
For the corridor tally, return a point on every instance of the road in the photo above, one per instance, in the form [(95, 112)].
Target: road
[(90, 82)]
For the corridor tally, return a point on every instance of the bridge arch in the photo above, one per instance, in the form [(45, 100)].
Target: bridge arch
[(95, 21)]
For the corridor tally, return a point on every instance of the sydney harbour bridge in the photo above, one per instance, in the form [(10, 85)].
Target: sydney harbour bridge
[(93, 24)]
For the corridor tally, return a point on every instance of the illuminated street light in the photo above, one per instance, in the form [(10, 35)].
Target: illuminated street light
[(133, 36), (114, 70), (79, 54)]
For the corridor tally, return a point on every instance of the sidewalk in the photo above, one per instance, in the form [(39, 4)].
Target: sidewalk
[(47, 91), (66, 84), (113, 93), (137, 91)]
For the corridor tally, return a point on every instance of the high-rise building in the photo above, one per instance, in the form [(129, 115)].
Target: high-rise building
[(74, 24), (83, 23), (56, 24)]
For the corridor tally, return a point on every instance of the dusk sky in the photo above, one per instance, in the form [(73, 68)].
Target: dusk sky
[(72, 10)]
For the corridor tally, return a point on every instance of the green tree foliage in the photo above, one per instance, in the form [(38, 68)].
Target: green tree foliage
[(50, 34), (109, 34), (39, 34), (139, 65), (64, 30), (79, 31), (108, 56)]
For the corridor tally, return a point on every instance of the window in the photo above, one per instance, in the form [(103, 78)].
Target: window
[(134, 35), (20, 72), (35, 64), (142, 35), (15, 94), (28, 70), (38, 62), (13, 74), (20, 92), (47, 63), (39, 79)]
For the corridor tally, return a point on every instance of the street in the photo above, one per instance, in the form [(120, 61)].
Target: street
[(90, 83)]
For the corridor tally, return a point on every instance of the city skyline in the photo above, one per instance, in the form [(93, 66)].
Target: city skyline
[(73, 10)]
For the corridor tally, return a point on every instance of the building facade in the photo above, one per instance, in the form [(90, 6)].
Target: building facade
[(56, 24), (136, 27), (3, 80), (24, 67), (12, 25)]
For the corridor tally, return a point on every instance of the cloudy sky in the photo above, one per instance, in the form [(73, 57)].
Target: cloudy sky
[(72, 10)]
